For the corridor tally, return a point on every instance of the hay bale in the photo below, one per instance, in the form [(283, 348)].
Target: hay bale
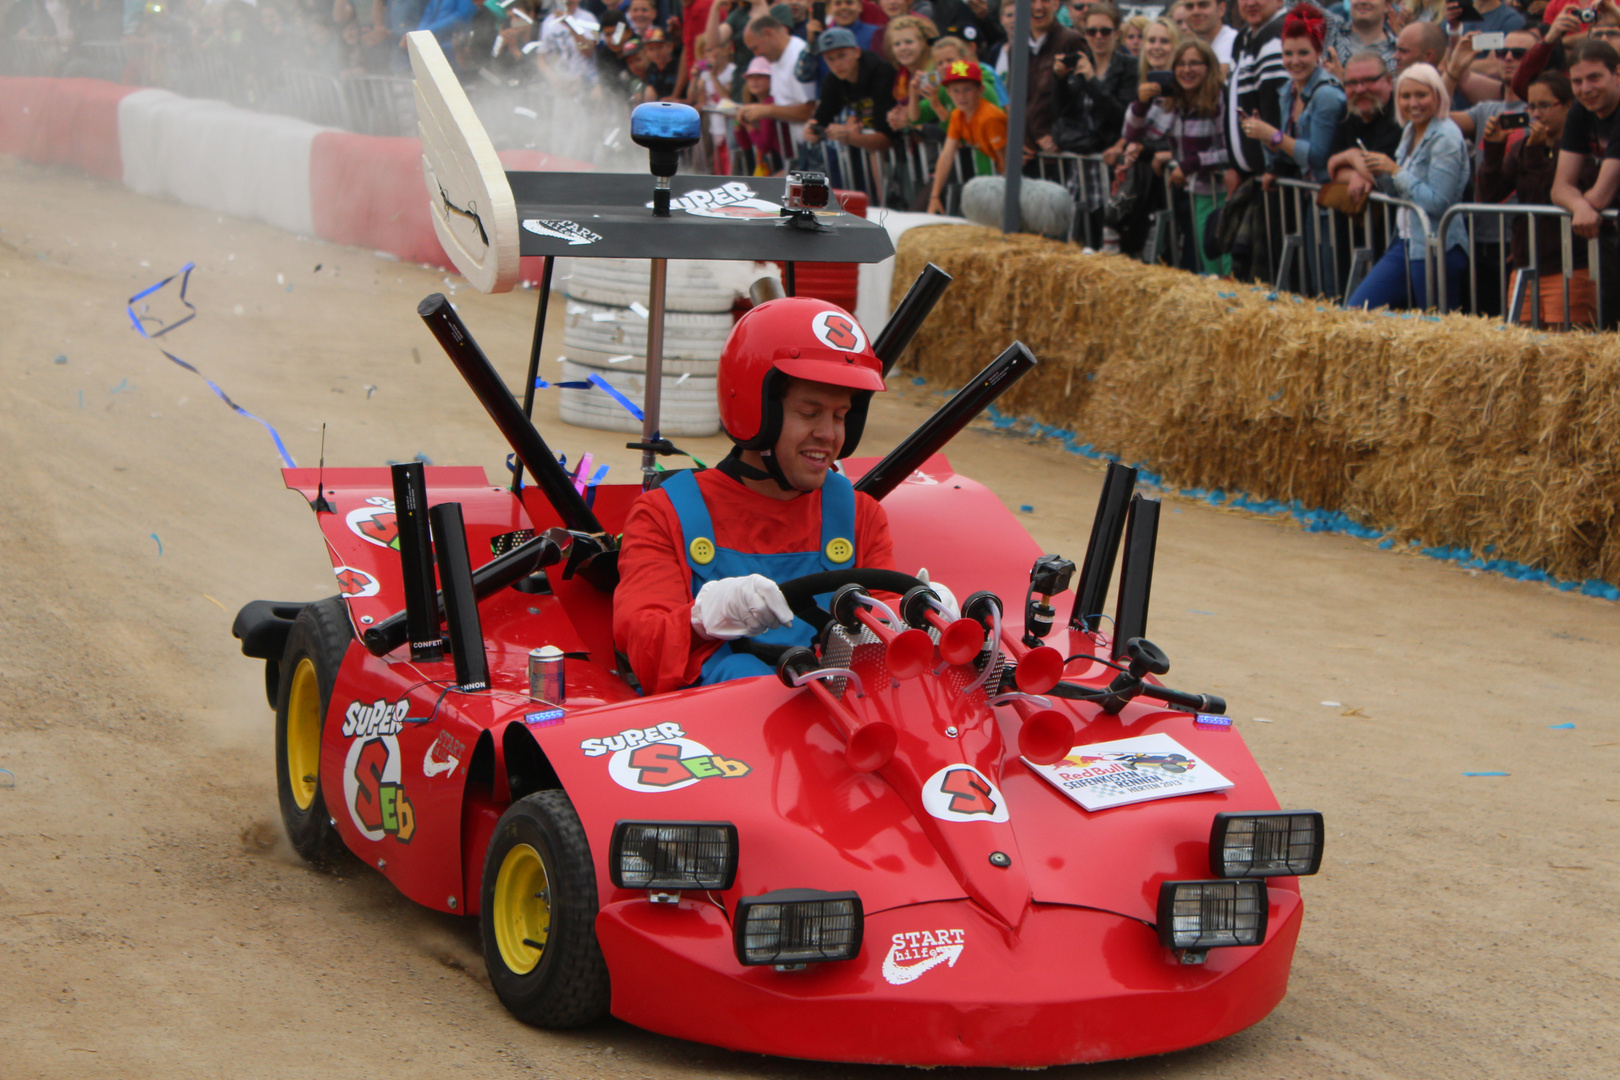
[(1047, 209), (1457, 431)]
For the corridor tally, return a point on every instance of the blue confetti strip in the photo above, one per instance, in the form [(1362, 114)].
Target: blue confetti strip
[(13, 777), (1487, 774), (1561, 727), (184, 275), (159, 544), (1313, 520), (603, 385)]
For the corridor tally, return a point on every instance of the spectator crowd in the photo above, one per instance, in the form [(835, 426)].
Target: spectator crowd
[(1203, 110)]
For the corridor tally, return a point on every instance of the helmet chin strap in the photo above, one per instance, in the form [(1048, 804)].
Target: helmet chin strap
[(734, 466)]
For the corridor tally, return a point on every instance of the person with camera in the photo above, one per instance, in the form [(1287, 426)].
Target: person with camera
[(1086, 108), (974, 122), (856, 97), (1112, 68), (1185, 115), (1521, 165), (1430, 170), (1568, 22)]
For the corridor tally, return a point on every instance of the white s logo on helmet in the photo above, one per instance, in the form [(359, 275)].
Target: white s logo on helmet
[(836, 330)]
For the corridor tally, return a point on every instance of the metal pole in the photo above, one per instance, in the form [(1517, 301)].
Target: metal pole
[(655, 370), (534, 360), (1018, 92)]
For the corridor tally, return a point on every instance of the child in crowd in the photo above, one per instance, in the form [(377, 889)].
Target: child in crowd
[(974, 122), (759, 134)]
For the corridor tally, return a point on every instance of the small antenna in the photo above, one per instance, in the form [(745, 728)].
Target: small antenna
[(320, 502)]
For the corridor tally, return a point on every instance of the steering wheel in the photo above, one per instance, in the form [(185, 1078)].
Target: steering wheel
[(801, 592)]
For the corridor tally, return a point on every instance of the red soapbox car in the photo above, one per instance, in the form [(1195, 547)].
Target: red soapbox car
[(996, 839), (859, 860)]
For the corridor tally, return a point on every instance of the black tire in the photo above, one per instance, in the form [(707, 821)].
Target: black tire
[(319, 638), (566, 984)]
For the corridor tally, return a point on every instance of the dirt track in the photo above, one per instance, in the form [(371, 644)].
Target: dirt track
[(153, 923)]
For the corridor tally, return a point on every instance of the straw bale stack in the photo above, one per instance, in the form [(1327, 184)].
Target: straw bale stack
[(1455, 431)]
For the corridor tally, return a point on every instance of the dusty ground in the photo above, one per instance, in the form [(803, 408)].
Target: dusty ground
[(152, 923)]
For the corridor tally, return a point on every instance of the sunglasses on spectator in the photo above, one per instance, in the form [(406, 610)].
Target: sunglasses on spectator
[(1099, 31), (1502, 54), (1356, 84)]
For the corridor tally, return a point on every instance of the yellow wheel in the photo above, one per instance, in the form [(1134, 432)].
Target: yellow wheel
[(316, 644), (539, 915), (522, 912), (304, 733)]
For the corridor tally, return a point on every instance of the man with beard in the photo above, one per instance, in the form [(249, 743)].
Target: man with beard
[(1369, 122)]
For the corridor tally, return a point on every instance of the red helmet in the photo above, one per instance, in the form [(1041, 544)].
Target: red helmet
[(795, 337)]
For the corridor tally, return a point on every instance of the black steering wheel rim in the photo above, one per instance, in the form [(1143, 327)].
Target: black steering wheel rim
[(801, 592)]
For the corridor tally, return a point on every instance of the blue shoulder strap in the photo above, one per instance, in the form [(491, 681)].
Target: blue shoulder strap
[(837, 522), (697, 529)]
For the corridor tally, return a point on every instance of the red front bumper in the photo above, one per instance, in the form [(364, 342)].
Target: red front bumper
[(1073, 985)]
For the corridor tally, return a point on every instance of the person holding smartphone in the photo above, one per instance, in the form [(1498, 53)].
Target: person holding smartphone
[(1310, 104), (1186, 117), (1429, 169), (1521, 165)]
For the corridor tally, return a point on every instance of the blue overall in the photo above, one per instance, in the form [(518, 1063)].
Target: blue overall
[(697, 531)]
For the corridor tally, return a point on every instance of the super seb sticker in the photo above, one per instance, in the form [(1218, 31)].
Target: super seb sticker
[(661, 758)]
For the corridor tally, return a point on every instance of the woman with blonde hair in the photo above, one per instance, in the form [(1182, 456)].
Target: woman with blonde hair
[(905, 46), (1130, 34), (1159, 41), (1430, 168), (1188, 119)]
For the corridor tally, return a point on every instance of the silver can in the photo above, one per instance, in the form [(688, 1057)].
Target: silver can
[(547, 674)]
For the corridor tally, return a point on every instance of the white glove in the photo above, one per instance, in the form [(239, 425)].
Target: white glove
[(738, 607), (947, 599)]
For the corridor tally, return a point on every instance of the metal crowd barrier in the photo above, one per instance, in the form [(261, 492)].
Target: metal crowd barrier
[(1529, 277), (1322, 273), (1090, 180)]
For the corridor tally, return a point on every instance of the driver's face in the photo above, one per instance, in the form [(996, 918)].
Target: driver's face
[(812, 432)]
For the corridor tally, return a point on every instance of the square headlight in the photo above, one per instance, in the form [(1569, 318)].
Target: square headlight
[(1276, 844), (1212, 914), (672, 855), (798, 926)]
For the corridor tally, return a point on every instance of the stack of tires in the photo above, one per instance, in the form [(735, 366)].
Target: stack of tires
[(605, 334)]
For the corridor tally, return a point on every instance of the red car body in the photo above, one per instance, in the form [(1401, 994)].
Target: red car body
[(1052, 958)]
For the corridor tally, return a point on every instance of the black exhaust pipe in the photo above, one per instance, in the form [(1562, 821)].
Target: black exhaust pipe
[(1106, 529), (535, 553), (951, 417), (1136, 572), (909, 316), (460, 604), (416, 562), (503, 408)]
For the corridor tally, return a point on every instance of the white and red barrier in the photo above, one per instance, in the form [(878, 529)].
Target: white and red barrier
[(362, 190)]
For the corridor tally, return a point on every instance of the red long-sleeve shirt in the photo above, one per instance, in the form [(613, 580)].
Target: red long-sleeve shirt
[(652, 607)]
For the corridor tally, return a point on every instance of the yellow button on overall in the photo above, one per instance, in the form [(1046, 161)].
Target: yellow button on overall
[(702, 550), (840, 550)]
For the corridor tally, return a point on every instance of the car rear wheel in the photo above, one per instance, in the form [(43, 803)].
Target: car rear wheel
[(539, 915), (316, 644)]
